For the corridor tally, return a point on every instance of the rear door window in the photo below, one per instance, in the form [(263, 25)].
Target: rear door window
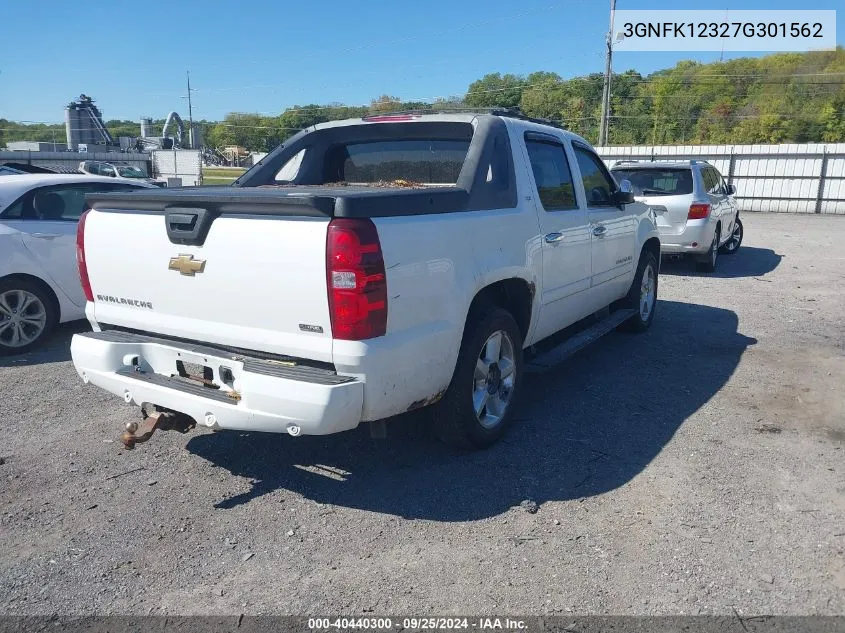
[(59, 202), (552, 175)]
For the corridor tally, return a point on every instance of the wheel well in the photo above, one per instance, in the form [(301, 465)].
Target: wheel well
[(43, 285), (652, 245), (514, 295)]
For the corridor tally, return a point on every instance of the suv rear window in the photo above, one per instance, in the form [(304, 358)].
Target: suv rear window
[(657, 182), (431, 162)]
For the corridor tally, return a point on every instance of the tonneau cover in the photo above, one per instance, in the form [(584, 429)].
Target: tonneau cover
[(297, 200)]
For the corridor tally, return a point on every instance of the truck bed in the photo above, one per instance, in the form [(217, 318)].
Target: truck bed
[(327, 201)]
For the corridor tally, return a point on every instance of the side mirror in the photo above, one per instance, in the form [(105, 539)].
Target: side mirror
[(731, 190), (624, 194)]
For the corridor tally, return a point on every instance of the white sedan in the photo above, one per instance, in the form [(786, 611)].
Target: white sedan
[(39, 282)]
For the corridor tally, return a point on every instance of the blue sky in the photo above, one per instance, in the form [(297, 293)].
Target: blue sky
[(261, 56)]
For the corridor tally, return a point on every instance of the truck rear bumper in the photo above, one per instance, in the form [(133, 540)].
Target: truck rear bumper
[(258, 395)]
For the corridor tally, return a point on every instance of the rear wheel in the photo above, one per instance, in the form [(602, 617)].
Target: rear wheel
[(477, 408), (708, 263), (643, 294), (732, 245), (27, 315)]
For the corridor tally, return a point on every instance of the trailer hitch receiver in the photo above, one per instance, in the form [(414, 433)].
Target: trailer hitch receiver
[(165, 420)]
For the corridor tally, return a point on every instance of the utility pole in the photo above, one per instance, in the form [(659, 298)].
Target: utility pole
[(190, 112), (605, 97)]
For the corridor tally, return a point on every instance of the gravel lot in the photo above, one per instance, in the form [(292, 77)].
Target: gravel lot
[(696, 469)]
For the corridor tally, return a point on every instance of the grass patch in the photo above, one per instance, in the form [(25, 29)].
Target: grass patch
[(222, 172)]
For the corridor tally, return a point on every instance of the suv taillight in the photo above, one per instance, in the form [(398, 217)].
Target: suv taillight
[(698, 211), (356, 280), (80, 258)]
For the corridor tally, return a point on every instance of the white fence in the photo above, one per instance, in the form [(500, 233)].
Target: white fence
[(808, 178)]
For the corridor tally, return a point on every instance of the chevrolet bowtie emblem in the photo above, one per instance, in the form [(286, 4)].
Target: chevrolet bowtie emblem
[(187, 265)]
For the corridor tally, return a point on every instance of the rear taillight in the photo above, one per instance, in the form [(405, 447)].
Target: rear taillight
[(698, 211), (80, 258), (356, 281)]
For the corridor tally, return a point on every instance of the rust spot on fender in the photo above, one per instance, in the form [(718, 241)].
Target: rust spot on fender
[(424, 402)]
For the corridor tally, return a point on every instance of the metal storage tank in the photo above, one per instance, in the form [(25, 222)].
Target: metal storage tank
[(72, 128)]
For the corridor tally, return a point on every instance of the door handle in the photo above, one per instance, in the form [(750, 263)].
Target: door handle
[(554, 238), (599, 230), (45, 236)]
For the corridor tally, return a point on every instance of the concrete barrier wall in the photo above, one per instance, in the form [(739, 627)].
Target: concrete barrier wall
[(805, 178), (68, 162)]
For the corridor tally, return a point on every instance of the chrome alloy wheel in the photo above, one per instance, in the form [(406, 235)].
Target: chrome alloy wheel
[(23, 318), (493, 381), (736, 237)]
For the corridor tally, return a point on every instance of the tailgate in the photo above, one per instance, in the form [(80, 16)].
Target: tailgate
[(671, 212), (255, 282)]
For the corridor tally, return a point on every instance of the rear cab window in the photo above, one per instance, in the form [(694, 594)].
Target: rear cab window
[(429, 162), (424, 153), (657, 182)]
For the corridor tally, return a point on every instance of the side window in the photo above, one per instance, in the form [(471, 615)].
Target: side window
[(290, 170), (707, 179), (552, 175), (17, 210), (67, 202), (712, 181), (598, 184), (723, 189), (58, 203), (116, 188)]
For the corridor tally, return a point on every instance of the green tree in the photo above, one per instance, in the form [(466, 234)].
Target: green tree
[(495, 90)]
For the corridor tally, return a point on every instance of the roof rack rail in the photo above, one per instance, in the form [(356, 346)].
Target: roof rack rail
[(514, 113)]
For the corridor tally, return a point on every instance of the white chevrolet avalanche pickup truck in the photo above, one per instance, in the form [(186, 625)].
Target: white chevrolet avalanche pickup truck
[(365, 268)]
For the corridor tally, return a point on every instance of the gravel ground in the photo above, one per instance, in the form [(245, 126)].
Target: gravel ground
[(695, 469)]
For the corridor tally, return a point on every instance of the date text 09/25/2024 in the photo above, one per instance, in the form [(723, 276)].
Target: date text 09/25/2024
[(416, 624)]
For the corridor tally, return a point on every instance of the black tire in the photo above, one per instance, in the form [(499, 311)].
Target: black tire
[(41, 303), (454, 417), (707, 264), (732, 245), (639, 322)]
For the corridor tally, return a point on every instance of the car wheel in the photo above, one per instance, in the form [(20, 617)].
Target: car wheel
[(708, 263), (27, 316), (477, 408), (642, 295), (732, 245)]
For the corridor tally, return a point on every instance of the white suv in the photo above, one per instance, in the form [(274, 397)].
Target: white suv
[(696, 212)]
